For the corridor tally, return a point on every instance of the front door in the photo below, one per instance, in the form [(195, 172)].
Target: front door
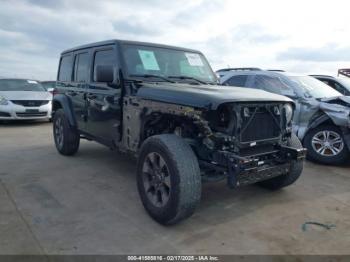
[(104, 100)]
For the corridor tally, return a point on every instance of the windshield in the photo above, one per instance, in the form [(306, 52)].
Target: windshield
[(345, 82), (48, 85), (174, 64), (314, 88), (20, 85)]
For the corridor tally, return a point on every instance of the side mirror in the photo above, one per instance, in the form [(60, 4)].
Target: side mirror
[(104, 73)]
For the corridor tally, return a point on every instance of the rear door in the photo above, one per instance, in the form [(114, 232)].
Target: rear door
[(104, 99), (66, 85), (79, 85)]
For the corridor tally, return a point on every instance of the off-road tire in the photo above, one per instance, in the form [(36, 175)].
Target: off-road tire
[(71, 139), (296, 169), (312, 155), (184, 175)]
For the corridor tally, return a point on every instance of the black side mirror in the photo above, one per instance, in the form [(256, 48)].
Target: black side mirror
[(104, 73)]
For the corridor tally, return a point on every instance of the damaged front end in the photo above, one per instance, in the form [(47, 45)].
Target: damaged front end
[(338, 109), (242, 142), (251, 143)]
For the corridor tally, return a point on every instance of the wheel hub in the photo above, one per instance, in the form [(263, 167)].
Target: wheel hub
[(156, 179), (327, 143)]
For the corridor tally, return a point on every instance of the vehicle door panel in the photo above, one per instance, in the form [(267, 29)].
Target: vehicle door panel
[(103, 100), (79, 85)]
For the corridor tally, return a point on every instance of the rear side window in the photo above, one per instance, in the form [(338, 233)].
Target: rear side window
[(239, 81), (103, 57), (273, 85), (65, 70), (82, 66)]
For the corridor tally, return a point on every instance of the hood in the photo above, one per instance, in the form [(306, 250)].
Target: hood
[(204, 96), (26, 95)]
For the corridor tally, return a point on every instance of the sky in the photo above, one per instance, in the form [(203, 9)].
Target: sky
[(299, 36)]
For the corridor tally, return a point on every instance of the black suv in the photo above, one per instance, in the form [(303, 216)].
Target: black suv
[(163, 105)]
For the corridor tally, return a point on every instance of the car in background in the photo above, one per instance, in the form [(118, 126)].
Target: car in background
[(49, 85), (321, 119), (342, 85), (24, 99)]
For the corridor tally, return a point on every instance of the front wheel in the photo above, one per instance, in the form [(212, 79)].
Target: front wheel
[(326, 145), (296, 168), (66, 137), (168, 179)]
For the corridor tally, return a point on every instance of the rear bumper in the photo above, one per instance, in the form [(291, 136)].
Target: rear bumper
[(18, 112), (252, 169)]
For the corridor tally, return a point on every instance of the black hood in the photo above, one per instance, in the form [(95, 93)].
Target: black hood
[(204, 96)]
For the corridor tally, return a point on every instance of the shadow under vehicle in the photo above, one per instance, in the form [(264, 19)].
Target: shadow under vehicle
[(162, 104), (322, 116)]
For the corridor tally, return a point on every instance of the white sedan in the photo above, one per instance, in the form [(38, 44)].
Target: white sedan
[(24, 99)]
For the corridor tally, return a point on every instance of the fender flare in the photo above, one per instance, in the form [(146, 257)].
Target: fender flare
[(62, 101), (318, 121)]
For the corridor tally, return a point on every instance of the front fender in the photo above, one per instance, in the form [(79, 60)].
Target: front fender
[(62, 101)]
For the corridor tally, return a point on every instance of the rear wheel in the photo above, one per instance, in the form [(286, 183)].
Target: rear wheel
[(326, 145), (168, 179), (66, 137), (296, 168)]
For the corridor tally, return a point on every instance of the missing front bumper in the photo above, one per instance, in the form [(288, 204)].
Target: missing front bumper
[(252, 169)]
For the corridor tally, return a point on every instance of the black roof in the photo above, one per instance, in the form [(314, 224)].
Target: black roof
[(115, 41)]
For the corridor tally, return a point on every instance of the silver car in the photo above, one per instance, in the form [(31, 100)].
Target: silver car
[(322, 114), (24, 99)]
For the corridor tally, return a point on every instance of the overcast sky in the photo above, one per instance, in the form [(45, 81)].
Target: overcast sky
[(298, 36)]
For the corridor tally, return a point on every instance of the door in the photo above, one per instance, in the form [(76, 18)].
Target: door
[(78, 88), (104, 99), (67, 85)]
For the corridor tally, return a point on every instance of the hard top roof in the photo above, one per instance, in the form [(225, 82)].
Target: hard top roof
[(115, 41)]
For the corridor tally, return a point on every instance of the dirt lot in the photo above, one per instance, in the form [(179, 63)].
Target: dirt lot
[(88, 204)]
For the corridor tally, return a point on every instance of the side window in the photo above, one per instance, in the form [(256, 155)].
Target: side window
[(81, 67), (239, 81), (339, 88), (103, 57), (65, 69), (273, 85)]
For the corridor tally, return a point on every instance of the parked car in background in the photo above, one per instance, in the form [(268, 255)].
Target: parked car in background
[(342, 85), (322, 116), (163, 105), (24, 99), (49, 85)]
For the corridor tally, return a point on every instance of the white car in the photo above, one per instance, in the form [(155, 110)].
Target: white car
[(24, 99)]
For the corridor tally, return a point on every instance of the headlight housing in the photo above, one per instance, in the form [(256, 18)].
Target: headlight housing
[(288, 109), (3, 101)]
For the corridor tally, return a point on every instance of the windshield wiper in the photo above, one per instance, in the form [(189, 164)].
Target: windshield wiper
[(155, 76), (189, 77)]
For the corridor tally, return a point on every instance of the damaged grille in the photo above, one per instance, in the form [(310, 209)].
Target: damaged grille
[(260, 122)]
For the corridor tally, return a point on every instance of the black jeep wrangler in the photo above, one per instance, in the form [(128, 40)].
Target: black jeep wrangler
[(163, 105)]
